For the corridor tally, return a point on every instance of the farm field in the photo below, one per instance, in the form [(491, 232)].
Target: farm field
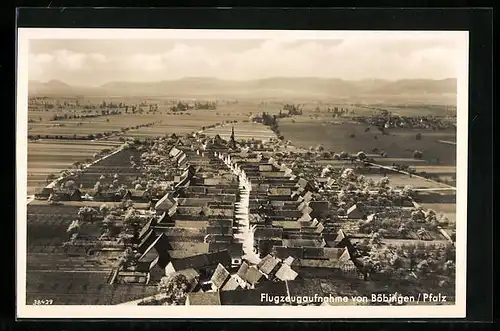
[(190, 121), (81, 288), (52, 156), (87, 126), (398, 180), (337, 138), (243, 130), (447, 209), (118, 163)]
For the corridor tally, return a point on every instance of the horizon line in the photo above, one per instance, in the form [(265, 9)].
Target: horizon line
[(238, 80)]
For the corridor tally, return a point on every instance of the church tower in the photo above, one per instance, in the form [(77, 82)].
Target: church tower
[(233, 141)]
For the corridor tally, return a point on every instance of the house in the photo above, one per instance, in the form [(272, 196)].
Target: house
[(165, 203), (132, 277), (319, 208), (218, 238), (205, 263), (219, 277), (286, 273), (155, 253), (108, 196), (337, 240), (174, 152), (61, 196), (232, 284), (261, 232), (235, 251), (248, 276), (44, 194), (307, 197), (303, 184), (355, 212), (268, 265), (75, 195), (265, 246), (137, 195)]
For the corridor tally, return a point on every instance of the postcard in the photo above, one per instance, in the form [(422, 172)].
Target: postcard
[(281, 174)]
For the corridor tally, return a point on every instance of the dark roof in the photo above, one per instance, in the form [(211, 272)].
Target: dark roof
[(284, 252), (222, 257), (147, 239), (218, 238), (235, 249), (219, 230), (267, 233), (45, 191), (149, 256), (146, 228), (319, 206), (253, 297)]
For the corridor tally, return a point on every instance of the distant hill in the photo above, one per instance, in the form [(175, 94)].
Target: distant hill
[(277, 87)]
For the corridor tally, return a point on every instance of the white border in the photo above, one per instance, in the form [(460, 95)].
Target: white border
[(185, 312)]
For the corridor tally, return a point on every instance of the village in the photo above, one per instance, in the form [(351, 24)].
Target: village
[(196, 219)]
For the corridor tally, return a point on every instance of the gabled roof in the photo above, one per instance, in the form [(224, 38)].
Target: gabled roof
[(174, 152), (231, 284), (284, 252), (267, 264), (222, 257), (289, 260), (166, 202), (146, 228), (267, 233), (285, 272), (302, 183), (195, 262), (154, 245), (147, 239), (242, 269), (252, 275), (220, 276)]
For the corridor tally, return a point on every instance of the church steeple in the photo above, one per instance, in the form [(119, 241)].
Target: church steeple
[(233, 141)]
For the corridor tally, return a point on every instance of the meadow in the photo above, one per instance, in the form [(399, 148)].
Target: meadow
[(352, 138), (53, 156)]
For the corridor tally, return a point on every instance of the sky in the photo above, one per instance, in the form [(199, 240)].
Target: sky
[(87, 62)]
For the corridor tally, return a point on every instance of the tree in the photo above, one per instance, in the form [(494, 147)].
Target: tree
[(175, 288), (87, 213), (73, 227), (376, 239), (417, 155), (69, 185), (104, 209), (50, 178), (361, 155)]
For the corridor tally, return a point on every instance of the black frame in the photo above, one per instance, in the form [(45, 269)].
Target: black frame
[(479, 23)]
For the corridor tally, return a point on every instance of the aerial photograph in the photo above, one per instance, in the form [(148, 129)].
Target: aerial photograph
[(257, 172)]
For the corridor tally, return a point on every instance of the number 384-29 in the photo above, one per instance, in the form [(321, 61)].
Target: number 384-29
[(39, 302)]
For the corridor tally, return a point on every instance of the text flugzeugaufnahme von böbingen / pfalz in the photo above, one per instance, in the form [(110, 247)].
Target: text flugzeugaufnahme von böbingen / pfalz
[(373, 299)]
